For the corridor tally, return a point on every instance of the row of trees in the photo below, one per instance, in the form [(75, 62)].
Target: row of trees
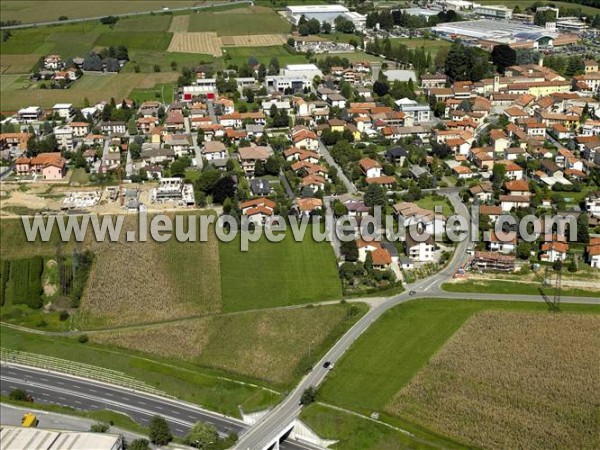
[(313, 26), (388, 19)]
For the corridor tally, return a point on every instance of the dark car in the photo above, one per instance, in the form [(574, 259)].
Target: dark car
[(412, 292), (328, 365)]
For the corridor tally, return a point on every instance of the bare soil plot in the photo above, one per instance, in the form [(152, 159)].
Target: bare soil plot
[(206, 43), (267, 345), (257, 40), (512, 380), (179, 24)]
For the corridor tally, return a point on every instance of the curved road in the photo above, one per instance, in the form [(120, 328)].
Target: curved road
[(264, 432)]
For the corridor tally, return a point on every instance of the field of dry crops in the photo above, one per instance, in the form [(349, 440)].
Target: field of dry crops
[(256, 40), (267, 345), (206, 43), (179, 24), (142, 282), (512, 380)]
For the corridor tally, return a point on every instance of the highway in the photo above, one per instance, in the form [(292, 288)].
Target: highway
[(88, 395)]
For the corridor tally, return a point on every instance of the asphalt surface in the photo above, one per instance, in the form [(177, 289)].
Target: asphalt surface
[(88, 395), (270, 426)]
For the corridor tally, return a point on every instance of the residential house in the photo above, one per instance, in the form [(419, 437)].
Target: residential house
[(248, 156), (113, 127), (258, 210), (493, 261), (212, 150), (397, 155), (593, 253), (510, 202), (554, 251), (411, 215), (370, 167), (420, 251), (52, 166), (505, 243), (308, 206)]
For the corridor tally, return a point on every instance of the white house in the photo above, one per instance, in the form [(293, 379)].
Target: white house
[(420, 251), (214, 150)]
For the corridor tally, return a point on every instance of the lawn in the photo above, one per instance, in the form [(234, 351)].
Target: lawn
[(277, 274), (158, 22), (431, 201), (182, 380), (512, 380), (358, 433), (147, 59), (91, 86), (14, 63), (526, 3), (79, 177), (28, 11), (430, 45), (240, 21), (240, 55), (144, 40), (513, 287), (387, 356), (162, 92), (273, 347)]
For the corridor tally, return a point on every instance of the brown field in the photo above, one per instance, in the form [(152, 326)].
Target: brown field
[(10, 64), (179, 24), (512, 380), (258, 40), (147, 282), (206, 43), (266, 345)]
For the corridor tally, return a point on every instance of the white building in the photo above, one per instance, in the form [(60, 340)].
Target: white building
[(64, 137), (493, 11), (323, 13), (30, 114), (35, 438), (298, 70), (64, 110), (419, 113), (420, 251)]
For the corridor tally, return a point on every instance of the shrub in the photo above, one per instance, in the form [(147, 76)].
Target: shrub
[(20, 395), (83, 338), (99, 427), (63, 315)]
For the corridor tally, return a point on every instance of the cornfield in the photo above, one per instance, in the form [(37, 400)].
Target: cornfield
[(512, 380)]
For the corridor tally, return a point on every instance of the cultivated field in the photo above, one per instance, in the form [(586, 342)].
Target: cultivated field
[(10, 64), (142, 282), (204, 43), (257, 40), (265, 345), (179, 24), (240, 21), (29, 11), (277, 274), (512, 380)]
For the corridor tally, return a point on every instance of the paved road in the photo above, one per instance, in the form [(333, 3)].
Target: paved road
[(131, 14), (12, 415), (286, 412), (89, 395), (349, 186)]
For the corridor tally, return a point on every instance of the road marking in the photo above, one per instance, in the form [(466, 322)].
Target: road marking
[(109, 394), (141, 402)]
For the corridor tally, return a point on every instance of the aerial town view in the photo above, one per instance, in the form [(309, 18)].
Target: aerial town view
[(299, 224)]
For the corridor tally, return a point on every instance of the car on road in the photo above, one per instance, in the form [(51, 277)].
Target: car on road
[(412, 293), (328, 365)]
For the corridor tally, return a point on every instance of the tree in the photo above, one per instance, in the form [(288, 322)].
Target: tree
[(20, 395), (524, 250), (160, 433), (308, 396), (223, 189), (99, 427), (139, 444), (381, 88), (202, 435), (349, 250), (262, 73), (583, 231), (326, 27), (207, 180), (503, 56), (375, 195), (272, 165)]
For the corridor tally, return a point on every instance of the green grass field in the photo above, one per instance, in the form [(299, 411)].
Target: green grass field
[(182, 380), (399, 344), (240, 55), (144, 40), (526, 3), (163, 92), (277, 274), (29, 11), (159, 22), (429, 45), (512, 287), (357, 433), (240, 21), (147, 59), (430, 202)]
